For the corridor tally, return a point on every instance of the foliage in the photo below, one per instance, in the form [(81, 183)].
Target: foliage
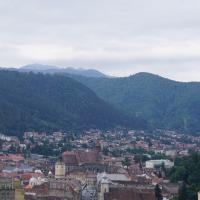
[(41, 102), (162, 102), (182, 193), (126, 162), (158, 193), (188, 171), (105, 151), (136, 150)]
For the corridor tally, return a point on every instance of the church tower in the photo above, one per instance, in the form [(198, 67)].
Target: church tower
[(104, 186), (60, 169)]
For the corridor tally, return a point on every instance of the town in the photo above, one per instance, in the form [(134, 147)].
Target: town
[(92, 165)]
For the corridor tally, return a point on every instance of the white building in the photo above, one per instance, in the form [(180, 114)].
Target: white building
[(171, 153), (37, 181), (150, 164), (111, 177)]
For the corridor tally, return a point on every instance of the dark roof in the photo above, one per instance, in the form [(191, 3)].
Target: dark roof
[(170, 188), (129, 194), (80, 157), (87, 157), (69, 158)]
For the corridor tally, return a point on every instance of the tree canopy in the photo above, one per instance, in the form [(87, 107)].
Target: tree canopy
[(41, 102)]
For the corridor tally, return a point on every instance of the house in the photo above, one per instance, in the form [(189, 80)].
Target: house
[(119, 187), (7, 190), (150, 164)]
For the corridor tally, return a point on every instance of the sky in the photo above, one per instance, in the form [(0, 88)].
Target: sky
[(117, 37)]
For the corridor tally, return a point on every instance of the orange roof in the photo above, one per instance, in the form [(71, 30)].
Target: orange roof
[(14, 157), (13, 174)]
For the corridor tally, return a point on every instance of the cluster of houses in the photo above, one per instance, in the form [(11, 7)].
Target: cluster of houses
[(99, 166)]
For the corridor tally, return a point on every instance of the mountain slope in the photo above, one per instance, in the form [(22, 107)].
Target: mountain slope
[(163, 102), (57, 70), (31, 101)]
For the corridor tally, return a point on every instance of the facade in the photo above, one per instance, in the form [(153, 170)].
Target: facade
[(128, 193), (19, 194), (120, 188), (64, 188), (171, 153), (7, 190), (170, 190), (104, 187), (150, 164), (60, 170), (19, 191)]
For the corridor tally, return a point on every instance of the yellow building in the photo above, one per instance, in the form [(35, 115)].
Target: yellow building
[(60, 169), (19, 194), (19, 191), (198, 195)]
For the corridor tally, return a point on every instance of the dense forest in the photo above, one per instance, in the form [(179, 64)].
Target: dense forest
[(56, 102), (187, 170), (41, 102), (162, 102)]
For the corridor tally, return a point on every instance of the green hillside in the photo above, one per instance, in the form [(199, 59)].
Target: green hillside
[(51, 102), (162, 102)]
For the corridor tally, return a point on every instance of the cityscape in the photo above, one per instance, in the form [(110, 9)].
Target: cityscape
[(99, 100), (92, 165)]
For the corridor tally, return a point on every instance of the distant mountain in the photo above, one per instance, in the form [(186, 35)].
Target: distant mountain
[(45, 102), (58, 70), (37, 67), (162, 102)]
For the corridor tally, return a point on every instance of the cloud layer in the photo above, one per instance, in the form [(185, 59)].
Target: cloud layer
[(117, 37)]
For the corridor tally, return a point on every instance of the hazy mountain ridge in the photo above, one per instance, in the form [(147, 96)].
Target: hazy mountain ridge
[(58, 70), (45, 102)]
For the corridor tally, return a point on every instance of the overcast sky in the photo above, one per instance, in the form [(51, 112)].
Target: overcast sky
[(118, 37)]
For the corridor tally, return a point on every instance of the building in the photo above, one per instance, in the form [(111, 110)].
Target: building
[(104, 187), (89, 160), (7, 190), (60, 169), (129, 193), (19, 190), (150, 164), (112, 177), (170, 190), (65, 188), (171, 153), (198, 194), (120, 187)]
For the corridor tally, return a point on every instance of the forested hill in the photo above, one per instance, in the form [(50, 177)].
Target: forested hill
[(164, 103), (41, 102)]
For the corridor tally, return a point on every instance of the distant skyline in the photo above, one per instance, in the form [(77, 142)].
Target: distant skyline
[(116, 37)]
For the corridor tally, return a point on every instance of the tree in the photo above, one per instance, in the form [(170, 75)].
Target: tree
[(126, 162), (158, 193), (182, 193), (163, 169), (187, 170), (56, 103), (105, 151)]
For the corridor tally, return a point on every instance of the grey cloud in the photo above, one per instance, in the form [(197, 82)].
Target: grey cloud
[(119, 37)]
